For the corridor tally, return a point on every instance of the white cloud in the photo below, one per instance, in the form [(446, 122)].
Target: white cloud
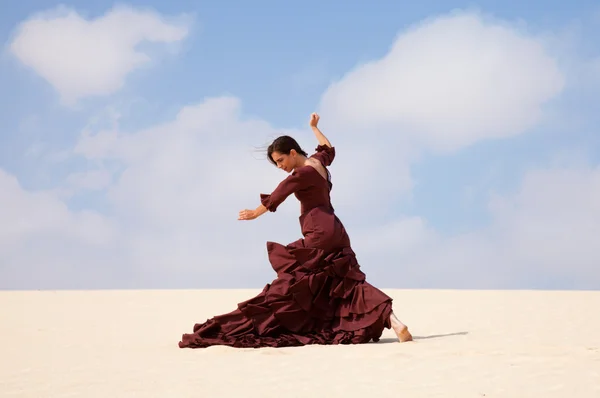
[(92, 180), (545, 234), (447, 83), (31, 214), (44, 244), (171, 206), (83, 57)]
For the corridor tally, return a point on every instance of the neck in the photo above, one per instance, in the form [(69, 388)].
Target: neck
[(300, 161)]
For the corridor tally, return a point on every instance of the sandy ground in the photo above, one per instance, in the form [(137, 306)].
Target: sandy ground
[(467, 344)]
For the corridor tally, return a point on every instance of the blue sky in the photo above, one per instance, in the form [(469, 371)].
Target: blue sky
[(277, 63)]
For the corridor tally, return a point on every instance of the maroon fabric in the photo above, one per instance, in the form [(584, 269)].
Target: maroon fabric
[(320, 295)]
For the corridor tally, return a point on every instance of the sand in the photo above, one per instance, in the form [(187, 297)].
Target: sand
[(467, 344)]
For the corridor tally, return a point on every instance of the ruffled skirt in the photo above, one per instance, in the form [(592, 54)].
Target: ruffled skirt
[(318, 297)]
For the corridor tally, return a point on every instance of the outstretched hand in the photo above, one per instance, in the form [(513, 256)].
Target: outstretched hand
[(314, 119), (247, 215)]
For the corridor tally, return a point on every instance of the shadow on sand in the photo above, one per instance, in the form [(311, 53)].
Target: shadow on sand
[(433, 336)]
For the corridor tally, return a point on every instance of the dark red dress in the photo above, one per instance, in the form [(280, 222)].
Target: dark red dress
[(320, 295)]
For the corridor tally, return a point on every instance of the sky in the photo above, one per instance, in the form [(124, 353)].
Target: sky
[(466, 134)]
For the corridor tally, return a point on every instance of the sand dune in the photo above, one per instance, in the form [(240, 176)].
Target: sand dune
[(467, 344)]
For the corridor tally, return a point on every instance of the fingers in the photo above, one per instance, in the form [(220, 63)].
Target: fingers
[(245, 215)]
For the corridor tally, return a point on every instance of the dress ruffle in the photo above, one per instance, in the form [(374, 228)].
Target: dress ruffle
[(324, 154), (265, 200), (317, 298)]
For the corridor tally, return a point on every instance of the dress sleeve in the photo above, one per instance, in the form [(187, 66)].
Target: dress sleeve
[(294, 182), (324, 154)]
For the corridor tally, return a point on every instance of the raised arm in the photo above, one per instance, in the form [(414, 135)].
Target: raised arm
[(325, 152), (314, 121)]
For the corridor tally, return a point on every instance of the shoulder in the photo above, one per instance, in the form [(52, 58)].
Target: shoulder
[(325, 154), (311, 161)]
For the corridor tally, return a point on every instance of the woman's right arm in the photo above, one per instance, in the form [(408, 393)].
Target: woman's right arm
[(296, 181)]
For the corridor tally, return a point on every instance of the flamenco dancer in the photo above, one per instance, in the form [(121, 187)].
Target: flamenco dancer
[(320, 295)]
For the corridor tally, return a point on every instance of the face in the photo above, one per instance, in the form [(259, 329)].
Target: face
[(285, 162)]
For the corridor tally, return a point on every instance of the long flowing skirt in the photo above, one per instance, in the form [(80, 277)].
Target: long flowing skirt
[(318, 297)]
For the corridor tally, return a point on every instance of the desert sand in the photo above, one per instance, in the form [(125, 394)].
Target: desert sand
[(467, 344)]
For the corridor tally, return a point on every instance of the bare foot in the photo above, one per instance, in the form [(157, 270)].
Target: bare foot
[(403, 334), (400, 329)]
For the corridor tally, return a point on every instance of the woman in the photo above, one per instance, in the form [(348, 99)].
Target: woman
[(320, 295)]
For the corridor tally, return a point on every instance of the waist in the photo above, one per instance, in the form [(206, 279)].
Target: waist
[(325, 208)]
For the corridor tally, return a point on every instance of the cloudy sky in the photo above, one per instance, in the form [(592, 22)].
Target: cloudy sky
[(467, 138)]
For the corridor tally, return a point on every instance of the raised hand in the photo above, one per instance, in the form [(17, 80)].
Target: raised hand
[(314, 119)]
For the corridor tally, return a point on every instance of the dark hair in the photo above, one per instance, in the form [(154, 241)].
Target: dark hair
[(283, 144)]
